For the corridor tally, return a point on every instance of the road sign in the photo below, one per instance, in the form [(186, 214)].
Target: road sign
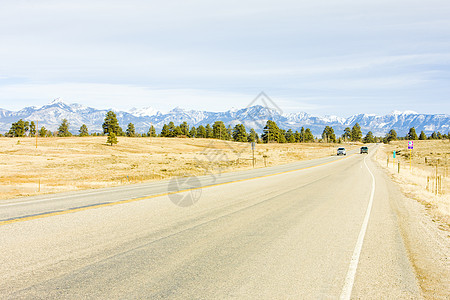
[(394, 154), (410, 147), (253, 145)]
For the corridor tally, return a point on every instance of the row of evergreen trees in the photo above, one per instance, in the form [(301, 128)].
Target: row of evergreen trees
[(412, 135), (22, 128), (238, 133)]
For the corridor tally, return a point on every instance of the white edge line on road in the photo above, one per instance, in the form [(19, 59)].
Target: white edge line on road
[(350, 278)]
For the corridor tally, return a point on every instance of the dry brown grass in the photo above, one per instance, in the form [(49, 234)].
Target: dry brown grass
[(65, 164), (419, 182)]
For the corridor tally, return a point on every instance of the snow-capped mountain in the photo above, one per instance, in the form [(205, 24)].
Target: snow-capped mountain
[(51, 115), (143, 112)]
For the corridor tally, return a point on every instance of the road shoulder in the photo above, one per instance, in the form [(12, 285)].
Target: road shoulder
[(425, 241)]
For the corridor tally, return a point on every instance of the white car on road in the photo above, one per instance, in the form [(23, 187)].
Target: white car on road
[(341, 151)]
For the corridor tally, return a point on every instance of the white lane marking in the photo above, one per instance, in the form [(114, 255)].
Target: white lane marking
[(350, 278)]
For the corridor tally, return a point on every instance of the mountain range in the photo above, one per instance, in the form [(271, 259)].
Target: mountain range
[(51, 115)]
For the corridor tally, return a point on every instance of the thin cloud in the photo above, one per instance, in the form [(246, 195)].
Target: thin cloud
[(210, 54)]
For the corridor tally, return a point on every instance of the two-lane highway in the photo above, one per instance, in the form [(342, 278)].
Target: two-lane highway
[(14, 210), (318, 229)]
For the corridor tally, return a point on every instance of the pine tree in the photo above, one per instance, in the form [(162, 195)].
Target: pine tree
[(347, 135), (290, 138), (252, 136), (282, 136), (309, 137), (439, 135), (121, 132), (390, 136), (369, 138), (422, 136), (63, 129), (151, 131), (112, 139), (83, 130), (184, 128), (209, 132), (32, 129), (239, 133), (17, 129), (131, 132), (434, 136), (271, 132), (219, 130), (171, 129), (328, 135), (26, 126), (229, 133), (412, 135), (43, 132), (201, 132), (193, 132), (356, 134), (302, 135), (165, 132), (177, 131), (111, 124)]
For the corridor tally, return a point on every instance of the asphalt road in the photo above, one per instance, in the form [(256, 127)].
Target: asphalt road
[(317, 229)]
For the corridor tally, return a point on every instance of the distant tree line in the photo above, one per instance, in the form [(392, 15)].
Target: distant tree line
[(412, 135), (271, 132)]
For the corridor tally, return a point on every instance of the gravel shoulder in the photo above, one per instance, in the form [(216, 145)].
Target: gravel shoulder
[(427, 239)]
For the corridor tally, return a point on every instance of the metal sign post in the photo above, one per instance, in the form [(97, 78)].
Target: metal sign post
[(393, 162), (253, 150), (410, 147)]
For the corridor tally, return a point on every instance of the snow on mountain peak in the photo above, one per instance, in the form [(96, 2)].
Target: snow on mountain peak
[(57, 101), (143, 112), (332, 118), (177, 110), (406, 112), (410, 112)]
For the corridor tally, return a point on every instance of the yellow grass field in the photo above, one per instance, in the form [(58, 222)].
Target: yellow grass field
[(66, 164), (429, 158)]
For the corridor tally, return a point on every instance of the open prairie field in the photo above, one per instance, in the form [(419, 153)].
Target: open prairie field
[(65, 164), (428, 178)]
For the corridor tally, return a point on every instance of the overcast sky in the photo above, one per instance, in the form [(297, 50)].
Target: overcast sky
[(337, 57)]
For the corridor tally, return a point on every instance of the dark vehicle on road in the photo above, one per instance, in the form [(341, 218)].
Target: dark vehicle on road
[(364, 150)]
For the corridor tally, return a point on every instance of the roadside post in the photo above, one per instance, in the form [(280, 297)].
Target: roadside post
[(253, 150), (437, 185), (36, 131), (393, 161), (410, 147)]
